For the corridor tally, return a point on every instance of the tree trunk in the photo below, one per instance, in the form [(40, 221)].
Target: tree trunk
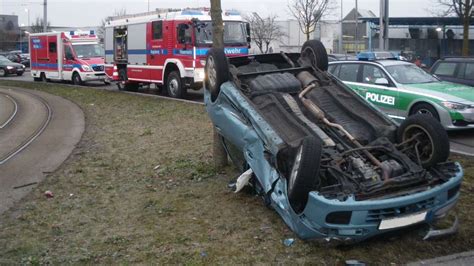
[(465, 41), (217, 24), (218, 151)]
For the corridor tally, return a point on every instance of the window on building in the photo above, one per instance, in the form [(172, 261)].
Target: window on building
[(157, 30), (349, 72), (445, 69)]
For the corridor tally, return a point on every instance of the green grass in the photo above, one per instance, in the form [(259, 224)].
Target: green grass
[(112, 206)]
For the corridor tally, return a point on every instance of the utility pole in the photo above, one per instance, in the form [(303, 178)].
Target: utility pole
[(356, 38), (341, 37), (383, 23), (45, 15)]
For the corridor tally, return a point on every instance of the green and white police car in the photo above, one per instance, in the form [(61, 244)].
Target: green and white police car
[(401, 89)]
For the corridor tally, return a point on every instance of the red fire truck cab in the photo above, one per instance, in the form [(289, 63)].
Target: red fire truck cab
[(74, 56), (167, 48)]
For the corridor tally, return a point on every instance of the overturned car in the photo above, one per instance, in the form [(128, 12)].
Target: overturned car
[(332, 165)]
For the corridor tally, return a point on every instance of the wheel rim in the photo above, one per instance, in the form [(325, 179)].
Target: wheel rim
[(211, 72), (425, 111), (309, 53), (75, 80), (422, 139), (295, 169), (173, 86)]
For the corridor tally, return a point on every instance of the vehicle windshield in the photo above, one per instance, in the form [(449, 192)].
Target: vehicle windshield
[(234, 33), (88, 50), (409, 74), (3, 59)]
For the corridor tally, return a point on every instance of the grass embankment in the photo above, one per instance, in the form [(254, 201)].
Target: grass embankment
[(111, 205)]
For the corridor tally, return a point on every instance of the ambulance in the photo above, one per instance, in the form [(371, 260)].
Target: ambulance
[(74, 56), (168, 48)]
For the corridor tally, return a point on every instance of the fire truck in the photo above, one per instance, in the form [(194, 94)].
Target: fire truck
[(75, 56), (167, 49)]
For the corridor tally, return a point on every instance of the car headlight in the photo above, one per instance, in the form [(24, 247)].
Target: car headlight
[(86, 68), (455, 106), (23, 66), (10, 67)]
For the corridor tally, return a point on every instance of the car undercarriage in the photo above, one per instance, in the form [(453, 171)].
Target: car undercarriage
[(335, 145)]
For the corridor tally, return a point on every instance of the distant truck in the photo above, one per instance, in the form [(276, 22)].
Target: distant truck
[(75, 56), (167, 48)]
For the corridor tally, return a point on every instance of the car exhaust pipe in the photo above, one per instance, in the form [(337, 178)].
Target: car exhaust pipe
[(309, 82)]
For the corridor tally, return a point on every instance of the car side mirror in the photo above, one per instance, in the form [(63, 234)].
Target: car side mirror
[(382, 82)]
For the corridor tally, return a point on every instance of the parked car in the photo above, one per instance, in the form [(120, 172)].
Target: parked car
[(8, 67), (331, 164), (455, 69), (18, 57), (402, 89)]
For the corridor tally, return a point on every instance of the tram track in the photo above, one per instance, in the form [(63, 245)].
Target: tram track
[(13, 113)]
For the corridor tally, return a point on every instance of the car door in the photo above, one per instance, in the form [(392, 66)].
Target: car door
[(349, 74), (379, 89)]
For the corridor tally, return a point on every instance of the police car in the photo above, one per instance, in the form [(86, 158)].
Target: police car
[(401, 89)]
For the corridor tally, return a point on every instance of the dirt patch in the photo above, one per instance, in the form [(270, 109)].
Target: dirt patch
[(111, 204)]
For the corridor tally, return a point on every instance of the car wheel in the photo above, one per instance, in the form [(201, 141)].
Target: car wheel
[(43, 77), (174, 85), (314, 53), (426, 137), (19, 74), (76, 79), (425, 109), (3, 73), (304, 173), (217, 71)]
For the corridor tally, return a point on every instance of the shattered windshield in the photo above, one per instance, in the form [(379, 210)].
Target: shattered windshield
[(234, 33), (88, 50)]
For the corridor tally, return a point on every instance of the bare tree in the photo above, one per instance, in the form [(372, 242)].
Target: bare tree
[(37, 25), (308, 13), (464, 9), (264, 31)]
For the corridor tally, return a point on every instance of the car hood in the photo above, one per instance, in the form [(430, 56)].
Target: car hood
[(92, 61), (446, 90), (16, 65)]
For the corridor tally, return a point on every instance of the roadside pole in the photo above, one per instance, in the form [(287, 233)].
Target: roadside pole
[(219, 153), (45, 15)]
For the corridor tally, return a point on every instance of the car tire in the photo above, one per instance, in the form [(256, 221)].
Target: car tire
[(43, 77), (19, 74), (426, 109), (432, 138), (303, 176), (217, 71), (314, 53), (174, 85), (3, 72), (76, 79)]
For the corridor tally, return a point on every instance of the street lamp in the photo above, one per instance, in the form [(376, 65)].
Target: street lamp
[(28, 12)]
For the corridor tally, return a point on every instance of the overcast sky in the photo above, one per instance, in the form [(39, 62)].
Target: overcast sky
[(88, 12)]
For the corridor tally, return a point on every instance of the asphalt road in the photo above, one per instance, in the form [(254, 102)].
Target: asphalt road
[(38, 131), (462, 141)]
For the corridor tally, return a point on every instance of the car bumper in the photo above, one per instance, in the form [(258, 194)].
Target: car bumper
[(366, 216), (93, 76)]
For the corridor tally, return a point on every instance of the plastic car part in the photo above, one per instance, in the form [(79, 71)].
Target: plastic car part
[(217, 71), (278, 82), (435, 233), (243, 180), (424, 140)]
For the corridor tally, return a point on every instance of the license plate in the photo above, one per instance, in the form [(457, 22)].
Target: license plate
[(402, 221)]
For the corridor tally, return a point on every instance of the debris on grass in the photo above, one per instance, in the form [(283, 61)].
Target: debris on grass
[(48, 194), (289, 242)]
